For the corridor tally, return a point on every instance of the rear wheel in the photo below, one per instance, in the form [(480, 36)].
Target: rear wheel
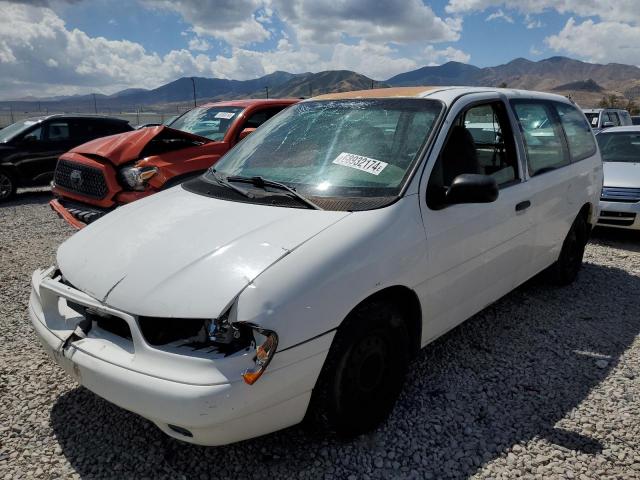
[(565, 270), (7, 186), (364, 371)]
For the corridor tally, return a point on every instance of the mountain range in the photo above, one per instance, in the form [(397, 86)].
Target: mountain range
[(586, 82)]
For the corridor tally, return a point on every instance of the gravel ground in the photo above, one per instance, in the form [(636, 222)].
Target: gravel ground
[(544, 383)]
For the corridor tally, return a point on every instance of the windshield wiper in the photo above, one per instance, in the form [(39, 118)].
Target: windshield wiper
[(262, 182), (218, 178)]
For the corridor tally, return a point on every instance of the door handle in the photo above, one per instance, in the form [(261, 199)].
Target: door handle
[(523, 206)]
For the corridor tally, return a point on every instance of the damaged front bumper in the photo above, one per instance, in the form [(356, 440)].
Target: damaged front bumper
[(194, 395), (76, 214)]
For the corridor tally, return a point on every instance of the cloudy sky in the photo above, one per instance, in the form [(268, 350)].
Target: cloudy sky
[(60, 47)]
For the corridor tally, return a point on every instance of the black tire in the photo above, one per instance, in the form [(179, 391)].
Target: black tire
[(8, 186), (363, 373), (565, 270)]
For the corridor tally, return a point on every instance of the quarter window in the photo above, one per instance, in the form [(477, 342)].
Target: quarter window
[(542, 134), (578, 132)]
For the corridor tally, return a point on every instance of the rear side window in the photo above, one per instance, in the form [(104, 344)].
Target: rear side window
[(258, 118), (579, 137), (543, 136), (58, 131)]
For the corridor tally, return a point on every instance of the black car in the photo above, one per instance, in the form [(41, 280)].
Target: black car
[(635, 120), (29, 149)]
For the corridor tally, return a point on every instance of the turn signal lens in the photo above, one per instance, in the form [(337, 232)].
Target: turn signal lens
[(266, 345)]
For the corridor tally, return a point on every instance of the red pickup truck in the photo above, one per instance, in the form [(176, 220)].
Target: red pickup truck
[(98, 176)]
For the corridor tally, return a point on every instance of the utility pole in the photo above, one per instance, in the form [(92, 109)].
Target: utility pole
[(11, 112), (193, 84), (267, 90), (95, 105), (371, 84), (310, 90)]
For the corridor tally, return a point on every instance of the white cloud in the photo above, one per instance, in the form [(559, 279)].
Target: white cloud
[(40, 55), (627, 11), (372, 60), (535, 51), (432, 56), (199, 44), (232, 21), (603, 42), (532, 22), (397, 21), (499, 15)]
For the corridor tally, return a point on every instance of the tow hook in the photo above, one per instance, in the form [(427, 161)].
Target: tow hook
[(81, 331)]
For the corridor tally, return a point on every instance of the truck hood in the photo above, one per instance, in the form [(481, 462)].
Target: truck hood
[(127, 147), (622, 174), (179, 254)]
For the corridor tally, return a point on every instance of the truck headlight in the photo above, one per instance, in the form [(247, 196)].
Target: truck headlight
[(135, 177)]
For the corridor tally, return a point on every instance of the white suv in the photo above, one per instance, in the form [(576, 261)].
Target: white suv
[(299, 276)]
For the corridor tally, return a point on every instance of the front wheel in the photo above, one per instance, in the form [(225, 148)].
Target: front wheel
[(7, 186), (565, 270), (364, 371)]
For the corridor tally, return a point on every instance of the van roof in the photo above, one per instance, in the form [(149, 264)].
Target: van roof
[(444, 93)]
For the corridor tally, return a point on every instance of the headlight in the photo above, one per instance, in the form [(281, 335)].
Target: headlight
[(135, 177), (232, 337)]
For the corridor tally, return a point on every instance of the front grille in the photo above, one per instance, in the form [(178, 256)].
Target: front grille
[(620, 194), (160, 331), (108, 323), (80, 178)]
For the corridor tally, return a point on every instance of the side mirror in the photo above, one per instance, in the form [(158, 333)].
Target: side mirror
[(472, 188), (608, 125), (29, 139), (245, 133)]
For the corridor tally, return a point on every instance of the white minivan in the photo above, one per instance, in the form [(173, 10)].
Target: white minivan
[(298, 276)]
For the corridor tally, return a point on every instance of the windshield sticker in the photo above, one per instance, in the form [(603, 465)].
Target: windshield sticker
[(225, 115), (365, 164)]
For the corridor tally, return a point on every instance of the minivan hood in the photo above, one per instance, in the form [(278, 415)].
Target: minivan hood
[(180, 254), (622, 174), (127, 147)]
